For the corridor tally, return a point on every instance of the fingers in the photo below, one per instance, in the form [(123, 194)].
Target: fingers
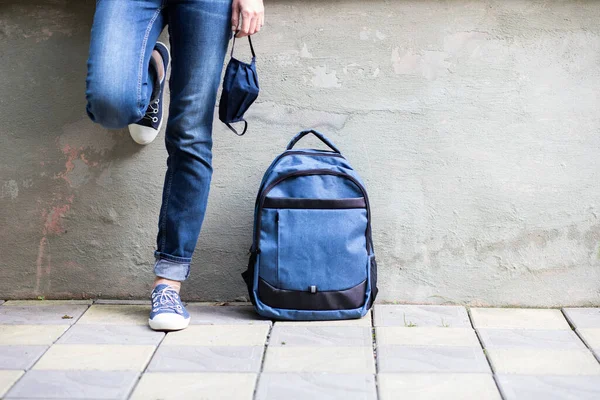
[(235, 15), (252, 20)]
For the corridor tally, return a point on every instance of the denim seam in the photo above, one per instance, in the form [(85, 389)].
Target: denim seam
[(163, 217), (143, 56), (175, 259)]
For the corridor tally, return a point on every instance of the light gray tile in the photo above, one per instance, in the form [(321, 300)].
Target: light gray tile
[(543, 362), (421, 316), (285, 335), (431, 359), (434, 386), (224, 315), (50, 314), (338, 359), (73, 385), (195, 385), (428, 336), (591, 336), (48, 302), (1, 302), (123, 302), (518, 318), (322, 386), (111, 334), (20, 357), (528, 387), (583, 317), (530, 338), (206, 359)]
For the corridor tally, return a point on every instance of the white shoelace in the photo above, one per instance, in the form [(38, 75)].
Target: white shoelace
[(166, 299), (149, 115)]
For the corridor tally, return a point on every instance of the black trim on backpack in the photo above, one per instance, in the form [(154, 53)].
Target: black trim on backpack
[(248, 276), (348, 299), (292, 202), (374, 289)]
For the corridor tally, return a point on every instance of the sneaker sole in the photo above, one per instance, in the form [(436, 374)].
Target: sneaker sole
[(169, 324)]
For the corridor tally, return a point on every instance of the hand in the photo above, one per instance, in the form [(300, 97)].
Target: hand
[(252, 13)]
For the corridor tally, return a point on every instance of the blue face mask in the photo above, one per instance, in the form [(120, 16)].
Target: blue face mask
[(240, 89)]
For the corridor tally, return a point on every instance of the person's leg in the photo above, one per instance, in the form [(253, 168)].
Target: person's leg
[(119, 84), (199, 33)]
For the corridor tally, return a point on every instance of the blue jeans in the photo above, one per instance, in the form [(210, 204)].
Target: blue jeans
[(120, 85)]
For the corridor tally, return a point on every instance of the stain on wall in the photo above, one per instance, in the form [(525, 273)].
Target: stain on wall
[(474, 124)]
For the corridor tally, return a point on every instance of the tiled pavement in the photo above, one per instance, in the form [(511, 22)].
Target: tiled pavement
[(80, 350)]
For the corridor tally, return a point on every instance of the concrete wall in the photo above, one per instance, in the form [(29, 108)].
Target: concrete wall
[(475, 124)]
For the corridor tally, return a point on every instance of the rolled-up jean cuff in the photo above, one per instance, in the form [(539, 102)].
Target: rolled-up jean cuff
[(171, 267)]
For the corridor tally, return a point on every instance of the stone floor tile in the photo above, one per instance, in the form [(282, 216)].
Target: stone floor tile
[(285, 335), (74, 385), (31, 334), (224, 315), (20, 357), (591, 336), (364, 321), (37, 314), (320, 359), (421, 316), (103, 357), (447, 386), (7, 379), (526, 387), (543, 362), (207, 359), (123, 302), (321, 386), (219, 335), (111, 334), (194, 386), (583, 317), (518, 318), (426, 336), (104, 314), (431, 359), (530, 338), (48, 302)]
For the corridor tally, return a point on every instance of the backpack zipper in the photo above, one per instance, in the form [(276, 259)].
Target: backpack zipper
[(295, 152)]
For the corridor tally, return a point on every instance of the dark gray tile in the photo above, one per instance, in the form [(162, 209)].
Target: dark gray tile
[(530, 338), (322, 386), (431, 359), (224, 315), (207, 359), (74, 385), (111, 334), (583, 317), (20, 357), (48, 314), (529, 387), (422, 316), (286, 335)]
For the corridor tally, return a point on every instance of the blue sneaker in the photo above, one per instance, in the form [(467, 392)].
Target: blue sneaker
[(168, 313), (146, 129)]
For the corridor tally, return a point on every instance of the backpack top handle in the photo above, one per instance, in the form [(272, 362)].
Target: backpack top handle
[(323, 139)]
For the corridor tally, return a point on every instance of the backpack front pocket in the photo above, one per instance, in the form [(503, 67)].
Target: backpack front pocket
[(321, 247)]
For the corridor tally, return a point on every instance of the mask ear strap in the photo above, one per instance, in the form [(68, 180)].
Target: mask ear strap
[(249, 41), (235, 130)]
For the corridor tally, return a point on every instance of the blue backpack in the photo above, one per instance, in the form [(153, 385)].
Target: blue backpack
[(312, 254)]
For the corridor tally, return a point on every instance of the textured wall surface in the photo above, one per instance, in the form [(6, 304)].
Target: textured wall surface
[(476, 125)]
